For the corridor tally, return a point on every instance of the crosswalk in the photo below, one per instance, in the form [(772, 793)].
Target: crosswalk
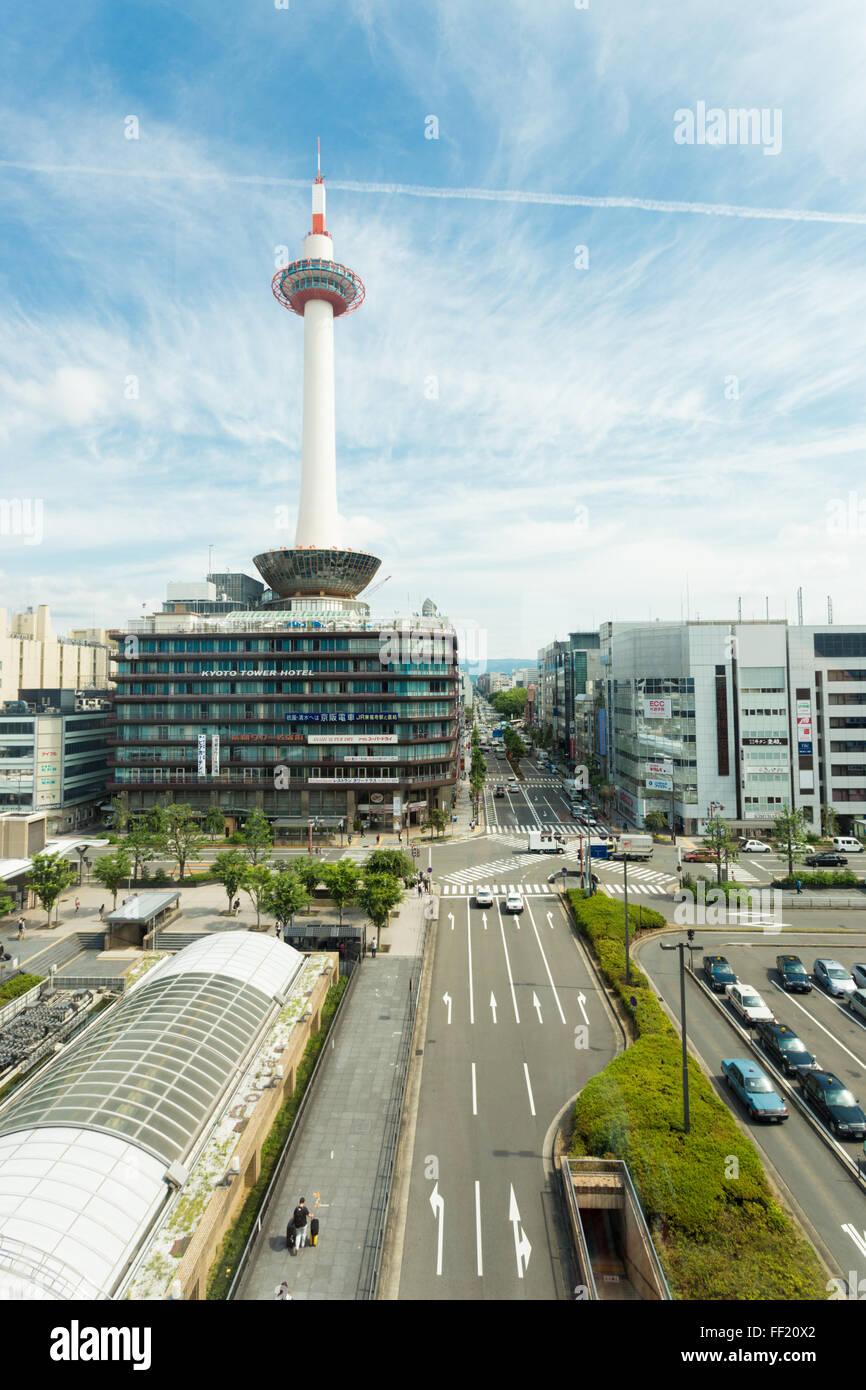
[(499, 890)]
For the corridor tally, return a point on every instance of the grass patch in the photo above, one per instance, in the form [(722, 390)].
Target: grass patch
[(222, 1269), (718, 1230)]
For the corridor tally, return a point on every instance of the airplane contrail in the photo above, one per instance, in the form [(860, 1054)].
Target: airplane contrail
[(489, 195)]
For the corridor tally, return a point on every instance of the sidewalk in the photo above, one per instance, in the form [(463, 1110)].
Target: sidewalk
[(335, 1161)]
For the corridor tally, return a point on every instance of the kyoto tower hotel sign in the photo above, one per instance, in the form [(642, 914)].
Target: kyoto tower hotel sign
[(319, 289)]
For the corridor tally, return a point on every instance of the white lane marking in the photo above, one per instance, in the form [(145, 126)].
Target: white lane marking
[(508, 968), (438, 1206), (480, 1265), (471, 986), (474, 1092), (836, 1040), (529, 1088), (546, 966)]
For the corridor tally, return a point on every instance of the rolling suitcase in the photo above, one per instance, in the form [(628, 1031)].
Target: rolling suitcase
[(314, 1231)]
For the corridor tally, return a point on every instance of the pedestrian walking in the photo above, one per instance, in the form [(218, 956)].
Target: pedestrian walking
[(299, 1217), (282, 1293)]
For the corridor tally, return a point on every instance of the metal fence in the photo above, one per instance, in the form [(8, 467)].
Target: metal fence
[(382, 1190)]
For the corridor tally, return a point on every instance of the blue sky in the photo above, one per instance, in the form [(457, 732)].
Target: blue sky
[(537, 445)]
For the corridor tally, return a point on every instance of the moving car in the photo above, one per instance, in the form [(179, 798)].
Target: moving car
[(697, 856), (787, 1050), (719, 973), (857, 1003), (483, 898), (833, 977), (748, 1003), (825, 860), (754, 1089), (513, 903), (793, 975), (834, 1104), (754, 846)]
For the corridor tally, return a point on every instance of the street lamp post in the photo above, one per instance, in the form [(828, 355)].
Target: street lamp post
[(681, 946)]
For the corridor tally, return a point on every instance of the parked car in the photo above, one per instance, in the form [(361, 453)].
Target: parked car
[(857, 1003), (748, 1004), (825, 860), (793, 975), (697, 856), (834, 1104), (755, 846), (513, 903), (483, 898), (719, 973), (787, 1050), (754, 1089), (833, 977), (858, 975)]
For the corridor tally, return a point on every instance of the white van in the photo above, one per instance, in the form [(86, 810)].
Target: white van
[(844, 844)]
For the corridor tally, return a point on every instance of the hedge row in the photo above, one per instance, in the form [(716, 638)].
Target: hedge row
[(717, 1228), (19, 984), (222, 1269)]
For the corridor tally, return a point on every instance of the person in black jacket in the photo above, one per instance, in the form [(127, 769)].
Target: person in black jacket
[(299, 1218)]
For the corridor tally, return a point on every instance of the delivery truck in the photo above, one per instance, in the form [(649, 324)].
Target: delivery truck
[(633, 847), (545, 842)]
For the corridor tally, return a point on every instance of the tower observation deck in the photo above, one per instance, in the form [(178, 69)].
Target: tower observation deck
[(318, 289)]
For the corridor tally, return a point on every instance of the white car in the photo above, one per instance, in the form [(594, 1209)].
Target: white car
[(748, 1003), (483, 898), (754, 847), (513, 903)]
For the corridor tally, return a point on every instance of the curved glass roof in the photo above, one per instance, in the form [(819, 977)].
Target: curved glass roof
[(154, 1069)]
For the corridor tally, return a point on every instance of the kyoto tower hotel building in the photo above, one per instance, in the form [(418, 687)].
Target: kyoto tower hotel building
[(305, 707)]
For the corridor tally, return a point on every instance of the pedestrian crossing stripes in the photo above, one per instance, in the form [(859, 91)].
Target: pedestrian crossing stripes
[(499, 890)]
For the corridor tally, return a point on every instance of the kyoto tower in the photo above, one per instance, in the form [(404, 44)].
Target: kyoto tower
[(319, 289)]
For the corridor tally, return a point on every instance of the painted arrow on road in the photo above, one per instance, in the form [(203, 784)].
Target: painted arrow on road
[(522, 1247), (446, 999), (438, 1205), (536, 1004), (581, 999), (493, 1004)]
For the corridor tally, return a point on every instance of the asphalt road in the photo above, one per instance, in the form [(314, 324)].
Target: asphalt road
[(828, 1198), (501, 1057)]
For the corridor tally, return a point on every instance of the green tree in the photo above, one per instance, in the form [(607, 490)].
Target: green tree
[(112, 871), (720, 843), (655, 822), (141, 843), (344, 879), (50, 876), (389, 861), (214, 822), (377, 896), (256, 883), (181, 837), (258, 837), (789, 829), (286, 896), (229, 867)]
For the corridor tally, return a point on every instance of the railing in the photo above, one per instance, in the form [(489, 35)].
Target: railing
[(348, 968), (369, 1276)]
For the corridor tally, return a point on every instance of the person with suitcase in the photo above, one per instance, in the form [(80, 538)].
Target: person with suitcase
[(299, 1217)]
